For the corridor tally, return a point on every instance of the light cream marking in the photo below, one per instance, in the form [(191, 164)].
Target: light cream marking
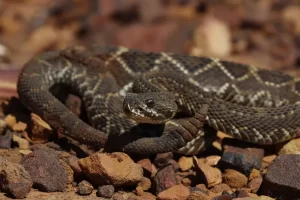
[(257, 134), (125, 89), (125, 66), (77, 76), (285, 132), (223, 68), (119, 52), (176, 63), (205, 68)]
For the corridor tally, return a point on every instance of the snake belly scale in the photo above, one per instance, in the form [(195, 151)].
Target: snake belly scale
[(251, 104)]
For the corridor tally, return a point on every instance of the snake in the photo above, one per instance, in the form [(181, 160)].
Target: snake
[(155, 102)]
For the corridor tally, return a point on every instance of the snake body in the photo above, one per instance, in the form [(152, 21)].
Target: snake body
[(251, 104)]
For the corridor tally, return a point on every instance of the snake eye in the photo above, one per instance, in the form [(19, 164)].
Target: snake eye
[(149, 102)]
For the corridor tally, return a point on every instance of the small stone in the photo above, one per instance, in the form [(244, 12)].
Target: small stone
[(239, 156), (40, 130), (234, 178), (72, 161), (292, 147), (162, 159), (105, 191), (203, 188), (145, 183), (164, 179), (197, 195), (177, 192), (223, 197), (186, 182), (220, 188), (147, 166), (19, 127), (243, 198), (139, 190), (144, 196), (255, 184), (10, 120), (46, 170), (282, 178), (185, 163), (211, 175), (84, 188), (116, 168), (241, 194), (264, 198), (212, 160), (5, 140), (14, 179), (254, 174), (23, 143)]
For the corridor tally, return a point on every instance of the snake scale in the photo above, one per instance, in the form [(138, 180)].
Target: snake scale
[(248, 103)]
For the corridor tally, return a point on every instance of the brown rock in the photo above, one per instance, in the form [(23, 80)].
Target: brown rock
[(105, 191), (147, 166), (164, 179), (145, 183), (10, 120), (203, 188), (46, 170), (84, 188), (212, 160), (197, 195), (234, 178), (3, 126), (177, 192), (145, 196), (211, 175), (243, 198), (254, 174), (14, 179), (139, 190), (185, 163), (40, 130), (265, 198), (292, 147), (116, 168), (220, 188), (255, 184), (23, 143), (19, 127), (282, 178), (186, 182)]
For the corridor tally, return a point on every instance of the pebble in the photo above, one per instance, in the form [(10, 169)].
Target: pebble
[(197, 195), (15, 180), (234, 178), (105, 191), (84, 188), (40, 130), (164, 179), (282, 178), (185, 163), (292, 147), (220, 188), (211, 175), (116, 169), (23, 143), (47, 171), (147, 166), (177, 192), (6, 140)]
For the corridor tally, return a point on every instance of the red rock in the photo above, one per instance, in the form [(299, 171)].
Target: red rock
[(14, 179), (234, 178), (255, 184), (220, 188), (197, 195), (46, 170), (116, 169), (164, 179), (177, 192), (211, 175), (185, 163)]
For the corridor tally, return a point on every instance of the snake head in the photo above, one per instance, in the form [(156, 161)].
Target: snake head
[(152, 107)]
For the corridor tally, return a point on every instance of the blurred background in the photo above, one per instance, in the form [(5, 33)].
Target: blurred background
[(264, 33)]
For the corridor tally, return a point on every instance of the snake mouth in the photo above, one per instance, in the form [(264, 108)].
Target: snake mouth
[(142, 115)]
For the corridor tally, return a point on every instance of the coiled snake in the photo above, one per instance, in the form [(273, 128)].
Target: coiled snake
[(189, 99)]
